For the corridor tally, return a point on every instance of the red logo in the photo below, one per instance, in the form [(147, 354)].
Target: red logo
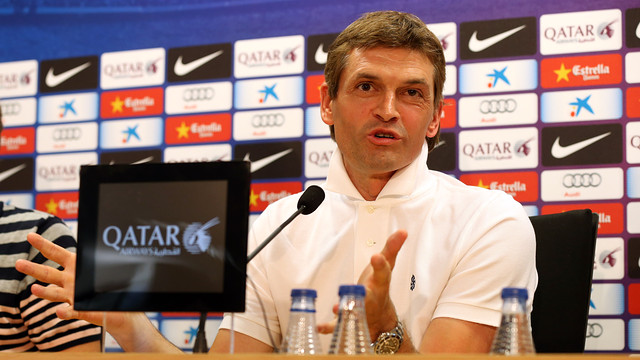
[(610, 214), (581, 71), (523, 186), (633, 102), (130, 103), (313, 88), (634, 299), (198, 128), (63, 205), (448, 114), (263, 194), (18, 141)]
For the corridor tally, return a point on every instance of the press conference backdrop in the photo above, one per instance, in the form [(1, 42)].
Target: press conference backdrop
[(543, 103)]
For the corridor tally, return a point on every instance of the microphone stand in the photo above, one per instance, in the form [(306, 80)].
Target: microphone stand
[(276, 232), (200, 343)]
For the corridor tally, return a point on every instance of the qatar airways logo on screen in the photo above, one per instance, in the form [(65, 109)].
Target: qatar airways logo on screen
[(578, 32), (159, 240), (18, 78), (269, 56), (125, 69)]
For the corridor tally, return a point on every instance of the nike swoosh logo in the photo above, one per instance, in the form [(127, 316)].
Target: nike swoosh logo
[(638, 31), (8, 173), (559, 152), (321, 55), (182, 69), (141, 161), (476, 45), (259, 164), (54, 80)]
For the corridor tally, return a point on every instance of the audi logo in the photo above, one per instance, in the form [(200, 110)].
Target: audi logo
[(198, 94), (267, 120), (594, 330), (67, 134), (10, 109), (498, 106), (635, 141), (582, 180)]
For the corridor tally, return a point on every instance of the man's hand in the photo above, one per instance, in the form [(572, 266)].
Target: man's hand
[(381, 313), (62, 282)]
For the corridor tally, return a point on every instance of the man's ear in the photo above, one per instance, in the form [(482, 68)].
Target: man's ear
[(434, 126), (325, 105)]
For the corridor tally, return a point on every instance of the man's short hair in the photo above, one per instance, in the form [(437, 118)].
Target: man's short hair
[(391, 29)]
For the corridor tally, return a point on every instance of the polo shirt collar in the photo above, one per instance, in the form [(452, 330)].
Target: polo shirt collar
[(401, 184)]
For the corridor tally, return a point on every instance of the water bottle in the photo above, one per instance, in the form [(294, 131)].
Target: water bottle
[(351, 334), (302, 335), (514, 334)]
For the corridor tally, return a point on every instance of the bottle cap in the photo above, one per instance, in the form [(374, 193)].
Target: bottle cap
[(304, 292), (515, 292), (351, 290)]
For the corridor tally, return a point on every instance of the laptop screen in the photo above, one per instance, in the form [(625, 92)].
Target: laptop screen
[(163, 237)]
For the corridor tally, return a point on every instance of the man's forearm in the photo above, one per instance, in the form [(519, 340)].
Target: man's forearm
[(135, 333)]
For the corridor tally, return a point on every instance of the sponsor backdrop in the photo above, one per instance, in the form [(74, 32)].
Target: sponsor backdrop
[(543, 103)]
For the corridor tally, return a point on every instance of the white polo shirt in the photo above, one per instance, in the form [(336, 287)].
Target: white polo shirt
[(465, 244)]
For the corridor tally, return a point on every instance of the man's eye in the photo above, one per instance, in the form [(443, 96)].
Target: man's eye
[(365, 86), (413, 92)]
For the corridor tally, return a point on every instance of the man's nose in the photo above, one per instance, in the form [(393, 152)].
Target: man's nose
[(387, 109)]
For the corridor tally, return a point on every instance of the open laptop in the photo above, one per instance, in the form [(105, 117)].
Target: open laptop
[(163, 237)]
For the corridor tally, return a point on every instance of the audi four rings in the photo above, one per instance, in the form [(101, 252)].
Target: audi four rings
[(582, 180), (66, 134), (198, 94), (267, 120), (11, 109), (498, 106)]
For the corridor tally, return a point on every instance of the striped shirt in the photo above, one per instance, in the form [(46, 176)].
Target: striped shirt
[(28, 323)]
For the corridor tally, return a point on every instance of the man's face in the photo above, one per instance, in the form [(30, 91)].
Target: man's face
[(383, 110)]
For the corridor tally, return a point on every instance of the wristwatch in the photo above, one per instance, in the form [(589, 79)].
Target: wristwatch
[(389, 342)]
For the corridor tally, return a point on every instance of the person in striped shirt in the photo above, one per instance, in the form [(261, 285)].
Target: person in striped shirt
[(29, 323)]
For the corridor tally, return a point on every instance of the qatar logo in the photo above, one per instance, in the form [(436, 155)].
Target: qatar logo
[(156, 240), (196, 239)]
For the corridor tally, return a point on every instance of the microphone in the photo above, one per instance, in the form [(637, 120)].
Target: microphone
[(308, 203)]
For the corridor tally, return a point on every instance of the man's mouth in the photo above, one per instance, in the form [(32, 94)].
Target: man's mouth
[(384, 136)]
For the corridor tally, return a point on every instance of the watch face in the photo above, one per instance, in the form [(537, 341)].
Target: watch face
[(388, 344)]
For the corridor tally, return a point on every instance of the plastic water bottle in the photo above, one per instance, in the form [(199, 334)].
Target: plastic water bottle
[(351, 334), (514, 334), (302, 335)]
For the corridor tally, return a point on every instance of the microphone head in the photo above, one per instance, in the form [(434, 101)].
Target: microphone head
[(311, 199)]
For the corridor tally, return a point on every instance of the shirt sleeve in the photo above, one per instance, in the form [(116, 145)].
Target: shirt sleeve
[(496, 250), (45, 329)]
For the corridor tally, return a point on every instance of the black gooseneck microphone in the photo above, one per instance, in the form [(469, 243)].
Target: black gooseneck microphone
[(308, 203)]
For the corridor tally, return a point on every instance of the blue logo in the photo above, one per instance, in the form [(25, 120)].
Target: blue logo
[(498, 75), (581, 103), (268, 90), (66, 107), (131, 131)]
